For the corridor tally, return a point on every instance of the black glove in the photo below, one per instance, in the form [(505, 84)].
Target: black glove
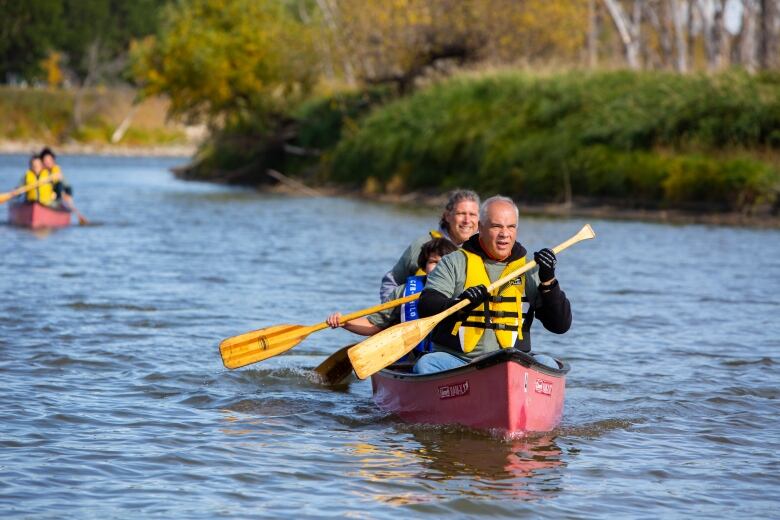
[(477, 294), (546, 261)]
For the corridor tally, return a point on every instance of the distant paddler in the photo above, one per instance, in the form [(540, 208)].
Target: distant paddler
[(43, 180), (62, 190), (458, 222)]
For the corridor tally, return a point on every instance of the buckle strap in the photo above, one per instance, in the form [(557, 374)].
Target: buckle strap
[(490, 325), (504, 299), (496, 314)]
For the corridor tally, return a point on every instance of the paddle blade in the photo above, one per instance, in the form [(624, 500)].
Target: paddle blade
[(5, 197), (251, 347), (388, 346), (336, 367)]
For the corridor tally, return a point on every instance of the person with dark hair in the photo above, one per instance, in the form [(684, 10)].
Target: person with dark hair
[(458, 222), (430, 254), (43, 194), (498, 319), (62, 190)]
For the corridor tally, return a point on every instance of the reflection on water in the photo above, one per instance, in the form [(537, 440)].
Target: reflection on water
[(527, 468), (447, 462)]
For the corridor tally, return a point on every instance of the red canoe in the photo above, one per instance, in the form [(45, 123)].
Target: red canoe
[(507, 391), (34, 215)]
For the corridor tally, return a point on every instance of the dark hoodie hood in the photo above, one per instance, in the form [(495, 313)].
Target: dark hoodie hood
[(472, 245)]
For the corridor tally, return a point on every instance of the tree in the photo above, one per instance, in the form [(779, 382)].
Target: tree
[(629, 28), (28, 30), (224, 61)]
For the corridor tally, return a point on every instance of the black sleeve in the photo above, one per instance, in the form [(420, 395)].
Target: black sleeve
[(433, 302), (553, 309)]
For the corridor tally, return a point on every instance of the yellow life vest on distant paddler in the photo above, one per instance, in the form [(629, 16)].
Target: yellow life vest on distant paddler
[(56, 170), (504, 313), (434, 234), (43, 194)]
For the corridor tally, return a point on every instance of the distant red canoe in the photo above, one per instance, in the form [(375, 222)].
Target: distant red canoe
[(34, 215), (506, 391)]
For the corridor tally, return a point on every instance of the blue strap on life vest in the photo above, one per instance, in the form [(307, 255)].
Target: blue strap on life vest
[(414, 285)]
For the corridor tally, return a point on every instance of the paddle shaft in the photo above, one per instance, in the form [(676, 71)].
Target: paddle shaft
[(5, 197), (384, 348), (257, 345), (583, 234), (376, 308), (72, 205), (365, 312)]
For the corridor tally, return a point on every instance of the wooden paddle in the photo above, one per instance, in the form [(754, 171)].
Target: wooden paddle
[(260, 344), (68, 200), (384, 348), (336, 367), (5, 197)]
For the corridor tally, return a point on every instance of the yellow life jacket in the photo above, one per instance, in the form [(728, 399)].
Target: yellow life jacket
[(434, 234), (56, 170), (504, 313), (43, 194)]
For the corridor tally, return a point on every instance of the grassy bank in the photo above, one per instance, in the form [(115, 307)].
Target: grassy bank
[(47, 116), (648, 140), (633, 141)]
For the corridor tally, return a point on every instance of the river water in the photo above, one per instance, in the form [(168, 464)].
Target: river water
[(114, 402)]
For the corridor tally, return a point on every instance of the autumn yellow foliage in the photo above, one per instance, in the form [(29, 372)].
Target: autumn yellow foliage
[(225, 60)]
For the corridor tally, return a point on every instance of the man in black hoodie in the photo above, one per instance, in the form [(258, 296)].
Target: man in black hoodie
[(501, 319)]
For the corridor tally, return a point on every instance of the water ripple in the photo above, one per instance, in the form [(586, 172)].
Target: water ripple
[(115, 404)]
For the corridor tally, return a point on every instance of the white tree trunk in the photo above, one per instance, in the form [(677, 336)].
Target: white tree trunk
[(680, 11), (715, 43), (748, 52), (629, 29), (120, 131)]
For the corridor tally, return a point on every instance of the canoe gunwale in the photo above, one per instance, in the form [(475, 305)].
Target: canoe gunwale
[(485, 361), (58, 209)]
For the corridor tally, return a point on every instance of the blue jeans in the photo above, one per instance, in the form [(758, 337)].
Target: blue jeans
[(546, 360), (438, 361)]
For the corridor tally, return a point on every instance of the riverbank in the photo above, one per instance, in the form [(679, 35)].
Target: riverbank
[(593, 211), (28, 147), (692, 145), (111, 121), (666, 216)]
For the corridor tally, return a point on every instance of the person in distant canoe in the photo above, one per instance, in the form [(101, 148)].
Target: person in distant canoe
[(430, 254), (43, 194), (502, 318), (62, 190), (457, 224)]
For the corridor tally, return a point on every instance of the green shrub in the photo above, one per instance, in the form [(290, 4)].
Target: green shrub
[(637, 139), (732, 184)]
